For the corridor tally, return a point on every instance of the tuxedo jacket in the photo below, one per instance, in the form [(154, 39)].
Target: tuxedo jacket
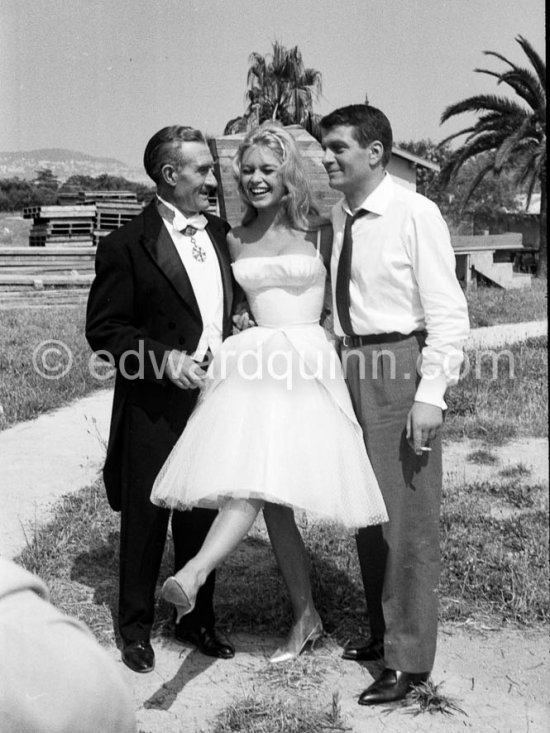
[(141, 306)]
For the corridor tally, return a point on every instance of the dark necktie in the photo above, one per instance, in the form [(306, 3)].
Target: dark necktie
[(343, 274)]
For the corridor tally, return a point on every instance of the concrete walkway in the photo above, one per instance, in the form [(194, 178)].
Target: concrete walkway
[(491, 337), (43, 459)]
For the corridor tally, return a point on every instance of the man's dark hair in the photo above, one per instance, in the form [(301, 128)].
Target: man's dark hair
[(368, 124), (164, 146)]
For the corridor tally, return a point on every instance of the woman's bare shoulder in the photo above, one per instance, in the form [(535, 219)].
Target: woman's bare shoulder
[(234, 241), (239, 238)]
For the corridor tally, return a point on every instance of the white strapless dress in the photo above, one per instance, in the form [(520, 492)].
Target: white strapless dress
[(275, 420)]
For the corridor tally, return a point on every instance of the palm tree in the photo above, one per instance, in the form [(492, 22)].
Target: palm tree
[(510, 133), (279, 87)]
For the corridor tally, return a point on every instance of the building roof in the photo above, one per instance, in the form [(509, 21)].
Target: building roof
[(415, 159)]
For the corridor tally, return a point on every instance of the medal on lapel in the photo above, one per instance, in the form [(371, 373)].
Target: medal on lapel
[(199, 254)]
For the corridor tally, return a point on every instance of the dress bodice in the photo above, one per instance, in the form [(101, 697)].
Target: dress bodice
[(283, 290)]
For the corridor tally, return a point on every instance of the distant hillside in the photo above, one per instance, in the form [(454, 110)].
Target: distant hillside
[(64, 163)]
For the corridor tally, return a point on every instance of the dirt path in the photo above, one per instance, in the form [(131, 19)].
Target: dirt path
[(499, 678)]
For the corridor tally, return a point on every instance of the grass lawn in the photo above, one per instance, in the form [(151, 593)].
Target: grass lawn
[(491, 305), (25, 362), (14, 230), (498, 399)]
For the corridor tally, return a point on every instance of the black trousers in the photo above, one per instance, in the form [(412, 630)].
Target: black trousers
[(143, 531), (400, 559)]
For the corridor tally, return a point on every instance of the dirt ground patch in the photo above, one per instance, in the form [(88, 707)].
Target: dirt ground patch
[(498, 677), (461, 466)]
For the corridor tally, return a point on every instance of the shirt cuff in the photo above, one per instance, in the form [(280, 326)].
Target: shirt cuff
[(432, 391)]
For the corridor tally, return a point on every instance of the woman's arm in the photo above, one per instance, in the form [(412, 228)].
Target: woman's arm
[(241, 309)]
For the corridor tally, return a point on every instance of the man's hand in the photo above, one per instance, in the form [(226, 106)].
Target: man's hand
[(423, 422), (241, 317), (183, 371)]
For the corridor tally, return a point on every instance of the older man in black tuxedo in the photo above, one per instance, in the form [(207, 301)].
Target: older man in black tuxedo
[(159, 307)]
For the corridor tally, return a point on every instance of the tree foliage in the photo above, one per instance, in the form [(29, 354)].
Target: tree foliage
[(279, 87), (17, 193), (509, 134), (457, 204)]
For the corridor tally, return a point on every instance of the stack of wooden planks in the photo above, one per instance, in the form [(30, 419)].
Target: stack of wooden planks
[(92, 197), (58, 267), (42, 275), (113, 214), (61, 225), (48, 261), (81, 218)]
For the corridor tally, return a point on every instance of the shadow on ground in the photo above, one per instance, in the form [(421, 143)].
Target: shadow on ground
[(250, 593)]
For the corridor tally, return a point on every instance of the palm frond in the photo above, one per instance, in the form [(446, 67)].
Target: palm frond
[(313, 78), (499, 56), (531, 168), (459, 157), (490, 102), (530, 188), (527, 86), (448, 139), (509, 144), (538, 64), (484, 170), (523, 82)]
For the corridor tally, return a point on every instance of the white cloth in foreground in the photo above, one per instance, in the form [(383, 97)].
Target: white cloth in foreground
[(275, 420), (55, 678)]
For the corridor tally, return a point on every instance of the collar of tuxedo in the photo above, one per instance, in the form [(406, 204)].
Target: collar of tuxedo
[(178, 220)]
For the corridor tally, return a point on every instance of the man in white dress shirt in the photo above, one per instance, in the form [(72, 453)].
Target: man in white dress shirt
[(402, 321), (159, 306)]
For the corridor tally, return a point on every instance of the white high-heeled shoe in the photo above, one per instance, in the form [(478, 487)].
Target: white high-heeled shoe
[(173, 592), (284, 654)]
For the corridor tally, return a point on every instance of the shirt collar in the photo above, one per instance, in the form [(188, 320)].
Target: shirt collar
[(377, 201), (178, 220)]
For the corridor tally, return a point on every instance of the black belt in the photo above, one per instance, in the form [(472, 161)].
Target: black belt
[(378, 338)]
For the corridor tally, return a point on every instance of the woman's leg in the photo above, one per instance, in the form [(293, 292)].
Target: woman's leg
[(229, 527), (292, 559)]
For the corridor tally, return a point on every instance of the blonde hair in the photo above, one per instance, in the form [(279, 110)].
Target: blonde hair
[(298, 202)]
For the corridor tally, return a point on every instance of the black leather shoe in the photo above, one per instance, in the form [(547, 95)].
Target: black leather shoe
[(139, 656), (390, 686), (369, 652), (206, 641)]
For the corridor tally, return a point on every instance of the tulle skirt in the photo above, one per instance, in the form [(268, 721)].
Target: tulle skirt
[(274, 422)]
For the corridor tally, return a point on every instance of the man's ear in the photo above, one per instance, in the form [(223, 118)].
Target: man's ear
[(168, 174), (376, 152)]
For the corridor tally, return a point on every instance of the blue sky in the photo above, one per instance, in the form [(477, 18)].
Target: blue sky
[(101, 76)]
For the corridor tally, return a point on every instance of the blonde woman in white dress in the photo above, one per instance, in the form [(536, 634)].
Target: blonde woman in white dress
[(274, 427)]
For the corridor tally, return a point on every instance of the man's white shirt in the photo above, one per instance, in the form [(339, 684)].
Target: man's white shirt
[(403, 279), (205, 278)]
